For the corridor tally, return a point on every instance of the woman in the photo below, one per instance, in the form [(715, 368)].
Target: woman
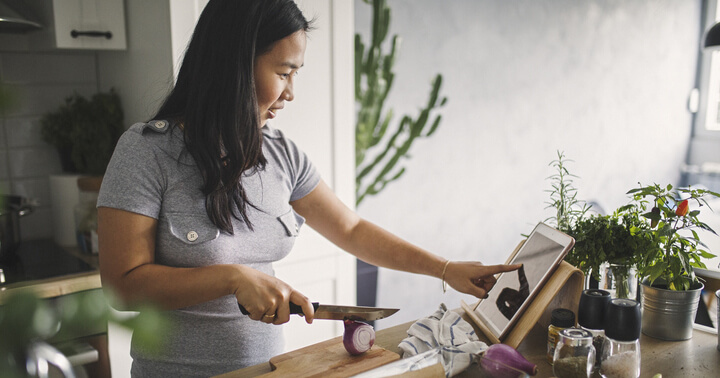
[(197, 203)]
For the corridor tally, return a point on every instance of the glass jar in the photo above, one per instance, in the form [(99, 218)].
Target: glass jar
[(86, 214), (621, 350), (620, 359), (560, 319), (598, 336), (574, 355), (620, 280)]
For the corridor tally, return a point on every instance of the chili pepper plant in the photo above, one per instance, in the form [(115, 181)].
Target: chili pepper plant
[(671, 220)]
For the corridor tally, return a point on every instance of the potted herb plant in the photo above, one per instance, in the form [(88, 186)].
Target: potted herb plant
[(609, 248), (563, 197), (603, 243), (84, 132), (670, 289)]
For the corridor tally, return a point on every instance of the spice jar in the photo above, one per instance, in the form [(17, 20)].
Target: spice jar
[(574, 354), (591, 317), (86, 214), (621, 351), (560, 319)]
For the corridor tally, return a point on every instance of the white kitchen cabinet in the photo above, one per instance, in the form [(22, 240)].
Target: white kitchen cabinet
[(89, 24)]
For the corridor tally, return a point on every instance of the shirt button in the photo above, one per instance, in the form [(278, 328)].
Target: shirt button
[(192, 236), (160, 124), (297, 229)]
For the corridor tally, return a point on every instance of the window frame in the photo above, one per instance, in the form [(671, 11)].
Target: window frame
[(707, 118)]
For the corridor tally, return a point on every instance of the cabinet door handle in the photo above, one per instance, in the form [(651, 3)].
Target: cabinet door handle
[(91, 33)]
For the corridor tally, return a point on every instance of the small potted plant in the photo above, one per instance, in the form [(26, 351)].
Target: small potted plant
[(670, 289), (84, 132), (608, 248), (563, 197)]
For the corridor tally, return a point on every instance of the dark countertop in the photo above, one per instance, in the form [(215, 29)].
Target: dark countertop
[(49, 269)]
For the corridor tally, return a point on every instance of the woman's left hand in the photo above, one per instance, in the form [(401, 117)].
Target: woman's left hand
[(474, 278)]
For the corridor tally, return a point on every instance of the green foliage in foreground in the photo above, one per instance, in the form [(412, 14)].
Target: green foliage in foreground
[(26, 319)]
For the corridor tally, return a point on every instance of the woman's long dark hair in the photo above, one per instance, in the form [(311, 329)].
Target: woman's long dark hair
[(214, 97)]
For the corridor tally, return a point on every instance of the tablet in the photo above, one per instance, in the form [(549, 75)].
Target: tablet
[(540, 255)]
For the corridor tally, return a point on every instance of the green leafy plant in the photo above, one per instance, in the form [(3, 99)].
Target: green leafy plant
[(563, 197), (599, 239), (672, 227), (26, 319), (85, 132), (373, 81), (615, 239)]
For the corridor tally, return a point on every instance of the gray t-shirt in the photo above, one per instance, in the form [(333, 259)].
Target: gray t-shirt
[(151, 173)]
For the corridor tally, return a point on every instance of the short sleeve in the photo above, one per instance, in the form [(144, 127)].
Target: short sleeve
[(306, 176), (133, 180)]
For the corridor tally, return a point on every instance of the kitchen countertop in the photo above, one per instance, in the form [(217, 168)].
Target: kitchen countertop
[(697, 357), (49, 270)]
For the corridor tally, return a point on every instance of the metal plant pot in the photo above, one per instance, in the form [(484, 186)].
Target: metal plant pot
[(669, 314)]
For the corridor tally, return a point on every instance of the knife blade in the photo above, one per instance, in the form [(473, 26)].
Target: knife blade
[(333, 312)]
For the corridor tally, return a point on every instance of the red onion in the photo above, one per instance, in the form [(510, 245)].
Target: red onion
[(358, 337), (499, 355)]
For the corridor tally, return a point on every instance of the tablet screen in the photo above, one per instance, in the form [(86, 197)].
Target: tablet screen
[(540, 255)]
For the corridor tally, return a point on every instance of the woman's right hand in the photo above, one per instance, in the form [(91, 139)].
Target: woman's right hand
[(267, 298)]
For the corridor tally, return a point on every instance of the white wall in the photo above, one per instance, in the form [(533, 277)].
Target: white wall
[(605, 81), (142, 74)]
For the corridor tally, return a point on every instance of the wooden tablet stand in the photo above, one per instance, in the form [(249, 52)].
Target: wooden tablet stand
[(563, 289)]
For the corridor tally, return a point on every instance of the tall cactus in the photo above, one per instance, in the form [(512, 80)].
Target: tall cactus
[(373, 80)]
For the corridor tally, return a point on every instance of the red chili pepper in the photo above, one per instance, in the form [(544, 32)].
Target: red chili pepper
[(682, 208)]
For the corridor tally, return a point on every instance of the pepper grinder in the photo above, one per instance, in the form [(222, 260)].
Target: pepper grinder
[(621, 350), (591, 317)]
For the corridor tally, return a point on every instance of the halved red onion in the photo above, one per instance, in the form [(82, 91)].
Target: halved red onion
[(358, 337)]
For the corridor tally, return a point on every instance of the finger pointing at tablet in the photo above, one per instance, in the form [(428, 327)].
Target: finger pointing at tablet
[(475, 278)]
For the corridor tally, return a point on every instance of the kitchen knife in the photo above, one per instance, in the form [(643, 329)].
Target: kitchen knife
[(341, 312)]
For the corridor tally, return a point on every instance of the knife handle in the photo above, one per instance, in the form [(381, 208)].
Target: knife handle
[(294, 309)]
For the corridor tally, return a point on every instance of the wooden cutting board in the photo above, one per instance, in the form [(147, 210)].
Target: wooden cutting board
[(328, 359)]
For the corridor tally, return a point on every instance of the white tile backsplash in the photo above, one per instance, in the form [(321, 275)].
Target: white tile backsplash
[(3, 143), (41, 82), (4, 167), (23, 132), (36, 189), (40, 68), (33, 162), (36, 225), (38, 99)]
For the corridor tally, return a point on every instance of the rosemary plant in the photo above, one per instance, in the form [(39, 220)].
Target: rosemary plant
[(563, 197)]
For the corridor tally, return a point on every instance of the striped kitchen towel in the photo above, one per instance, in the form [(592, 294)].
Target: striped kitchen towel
[(448, 331)]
